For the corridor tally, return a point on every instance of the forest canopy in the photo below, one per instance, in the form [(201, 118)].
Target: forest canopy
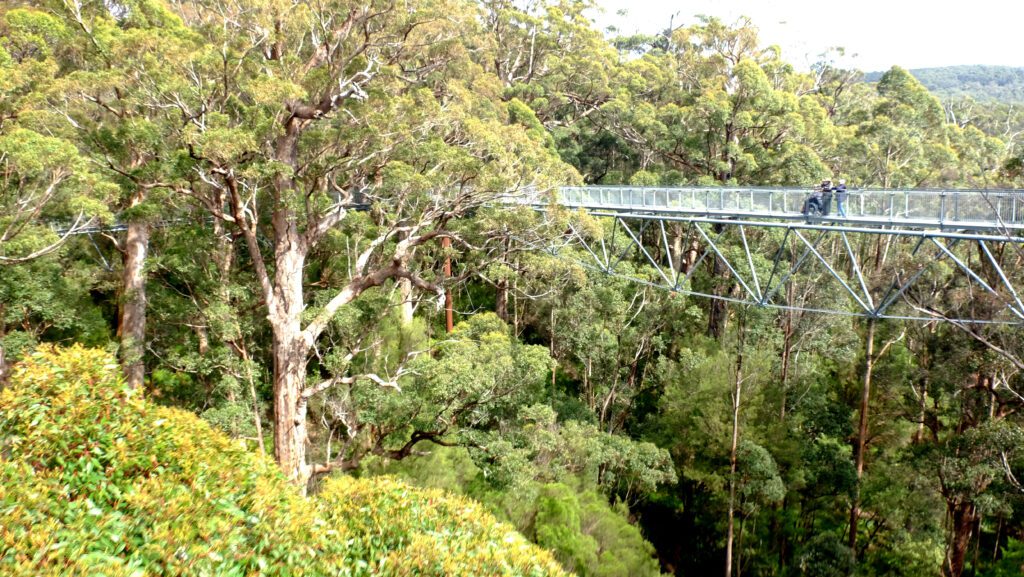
[(270, 236), (999, 83)]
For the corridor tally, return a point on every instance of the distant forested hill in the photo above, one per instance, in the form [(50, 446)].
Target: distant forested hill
[(1001, 83)]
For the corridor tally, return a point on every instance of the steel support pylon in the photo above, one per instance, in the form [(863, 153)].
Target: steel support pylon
[(876, 272)]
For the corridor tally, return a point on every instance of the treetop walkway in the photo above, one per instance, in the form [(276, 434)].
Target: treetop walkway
[(939, 221), (992, 211), (941, 225)]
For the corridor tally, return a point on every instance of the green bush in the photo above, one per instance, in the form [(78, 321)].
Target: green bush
[(418, 531), (588, 536), (572, 519), (1011, 563), (94, 480)]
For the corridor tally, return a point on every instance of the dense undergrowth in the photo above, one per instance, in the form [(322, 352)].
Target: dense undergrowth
[(95, 480)]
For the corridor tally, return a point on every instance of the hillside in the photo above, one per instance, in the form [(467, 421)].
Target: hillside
[(1002, 83)]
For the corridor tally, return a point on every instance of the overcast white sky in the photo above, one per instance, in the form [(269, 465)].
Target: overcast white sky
[(875, 33)]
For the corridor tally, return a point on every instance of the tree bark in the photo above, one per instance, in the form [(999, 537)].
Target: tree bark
[(501, 300), (736, 395), (449, 321), (718, 308), (922, 412), (502, 286), (290, 432), (963, 519), (787, 351), (3, 357), (862, 433), (405, 307), (132, 328), (677, 247), (290, 350)]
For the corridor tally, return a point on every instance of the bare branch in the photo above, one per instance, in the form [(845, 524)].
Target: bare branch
[(1009, 473), (77, 226)]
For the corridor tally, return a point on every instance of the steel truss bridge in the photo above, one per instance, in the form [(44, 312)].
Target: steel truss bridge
[(758, 240), (972, 241)]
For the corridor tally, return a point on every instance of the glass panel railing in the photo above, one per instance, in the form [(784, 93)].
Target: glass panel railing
[(932, 206)]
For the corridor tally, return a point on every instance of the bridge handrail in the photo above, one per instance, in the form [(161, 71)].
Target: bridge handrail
[(998, 207)]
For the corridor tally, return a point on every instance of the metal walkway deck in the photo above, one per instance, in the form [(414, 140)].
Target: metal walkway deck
[(999, 211)]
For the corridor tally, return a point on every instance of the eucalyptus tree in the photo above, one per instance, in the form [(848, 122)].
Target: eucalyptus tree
[(966, 407), (971, 432), (715, 106), (294, 113), (48, 189), (549, 55), (117, 60), (905, 136), (978, 158)]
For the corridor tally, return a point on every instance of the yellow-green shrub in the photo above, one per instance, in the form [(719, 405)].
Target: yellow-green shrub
[(412, 531), (94, 480), (98, 481)]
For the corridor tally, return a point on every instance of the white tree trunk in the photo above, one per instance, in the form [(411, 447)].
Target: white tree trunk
[(133, 299)]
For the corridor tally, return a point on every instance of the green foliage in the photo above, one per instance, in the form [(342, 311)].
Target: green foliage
[(589, 537), (425, 532), (540, 448), (592, 413), (1011, 563), (825, 556), (98, 480), (49, 299), (95, 480), (573, 519), (758, 482)]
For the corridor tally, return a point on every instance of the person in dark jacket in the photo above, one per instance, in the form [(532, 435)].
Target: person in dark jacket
[(815, 203), (840, 195)]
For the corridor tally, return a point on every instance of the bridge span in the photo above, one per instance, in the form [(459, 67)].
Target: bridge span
[(879, 262), (997, 211), (883, 260)]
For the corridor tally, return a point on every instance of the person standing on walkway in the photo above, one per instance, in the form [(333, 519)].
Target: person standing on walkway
[(840, 195)]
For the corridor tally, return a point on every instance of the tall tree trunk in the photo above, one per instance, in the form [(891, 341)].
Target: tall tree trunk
[(554, 358), (290, 432), (405, 307), (739, 548), (405, 294), (290, 351), (3, 358), (736, 396), (501, 300), (787, 352), (257, 419), (718, 308), (449, 320), (922, 411), (862, 432), (677, 246), (963, 519), (132, 328)]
